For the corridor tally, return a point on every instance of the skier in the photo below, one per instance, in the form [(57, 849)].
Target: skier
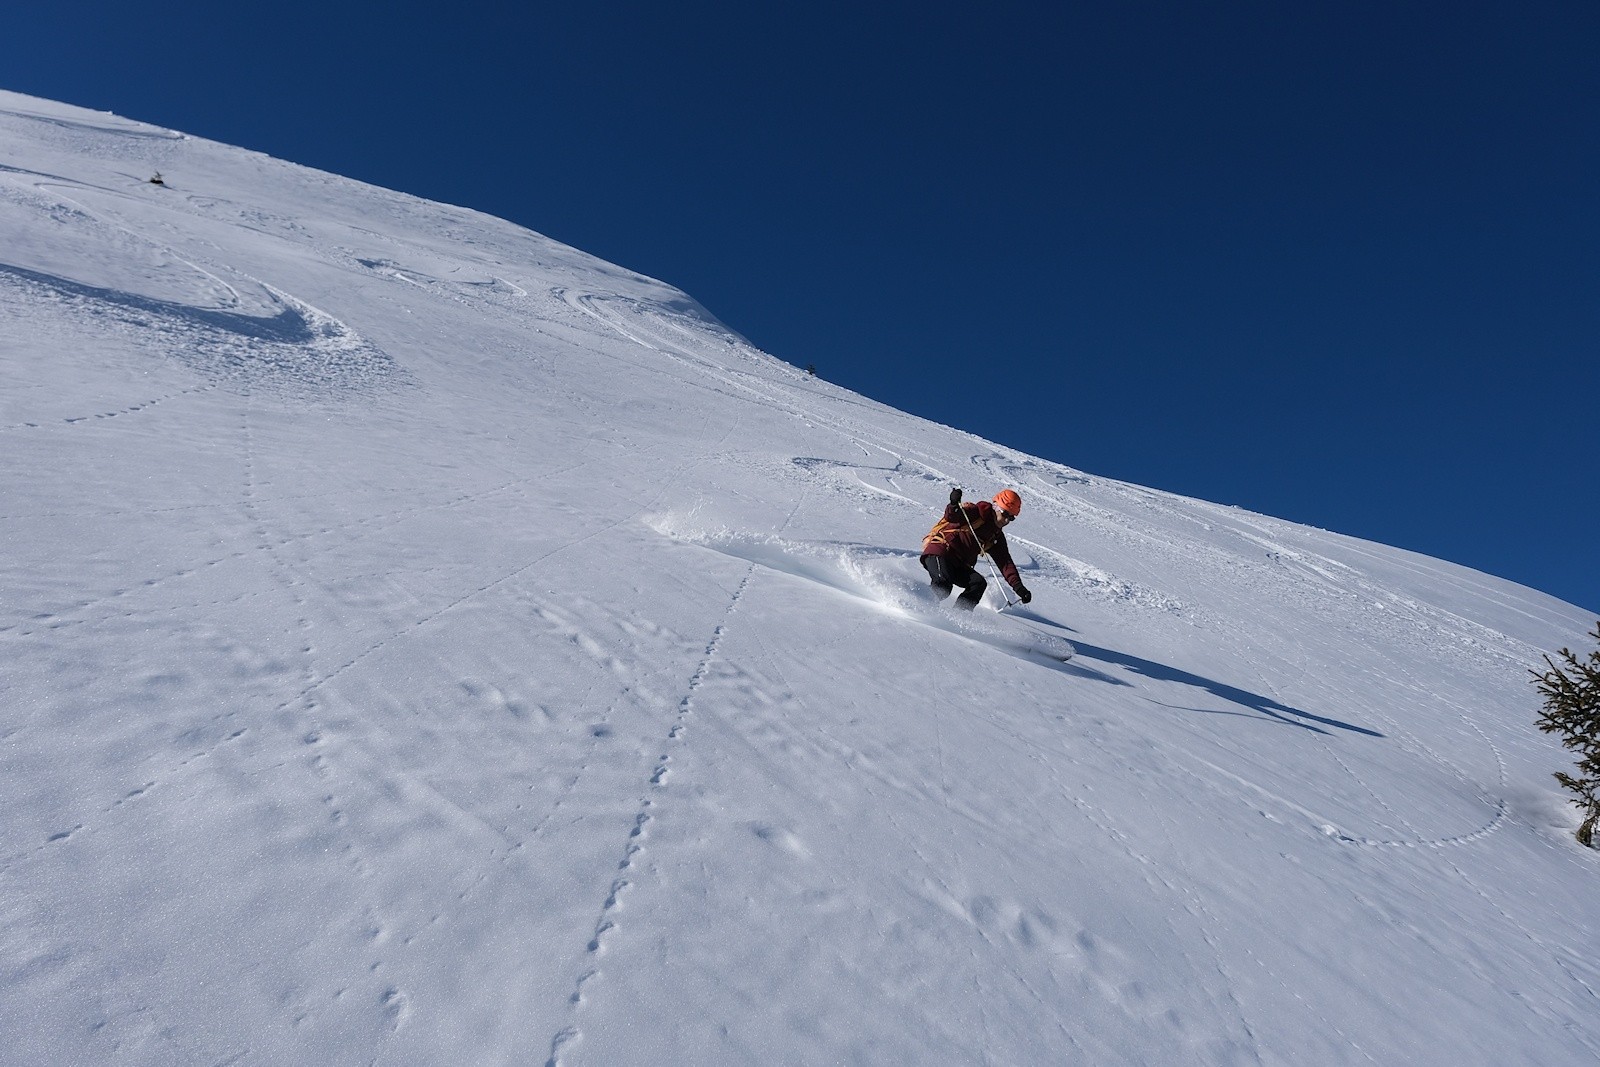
[(950, 551)]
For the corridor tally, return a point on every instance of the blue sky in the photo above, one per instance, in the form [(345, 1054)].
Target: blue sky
[(1332, 261)]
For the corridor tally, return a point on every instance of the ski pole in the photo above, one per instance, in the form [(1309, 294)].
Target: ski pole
[(984, 552)]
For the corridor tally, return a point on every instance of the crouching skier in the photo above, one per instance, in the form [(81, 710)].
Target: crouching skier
[(950, 551)]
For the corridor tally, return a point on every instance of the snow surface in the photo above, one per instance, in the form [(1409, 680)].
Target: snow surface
[(424, 643)]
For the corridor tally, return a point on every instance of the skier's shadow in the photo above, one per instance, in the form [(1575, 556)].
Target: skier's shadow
[(1254, 701)]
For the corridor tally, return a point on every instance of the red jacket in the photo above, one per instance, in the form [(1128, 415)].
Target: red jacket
[(952, 537)]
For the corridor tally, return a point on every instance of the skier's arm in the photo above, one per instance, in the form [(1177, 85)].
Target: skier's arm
[(953, 511), (1001, 554)]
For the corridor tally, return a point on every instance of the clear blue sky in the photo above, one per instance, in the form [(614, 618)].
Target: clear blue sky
[(1335, 261)]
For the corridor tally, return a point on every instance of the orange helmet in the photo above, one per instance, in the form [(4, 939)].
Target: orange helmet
[(1008, 501)]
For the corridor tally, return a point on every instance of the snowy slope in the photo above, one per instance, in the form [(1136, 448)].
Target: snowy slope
[(424, 643)]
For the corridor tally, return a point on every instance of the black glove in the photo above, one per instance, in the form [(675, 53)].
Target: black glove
[(1023, 594), (955, 496)]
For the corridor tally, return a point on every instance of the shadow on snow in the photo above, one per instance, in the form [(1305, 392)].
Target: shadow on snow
[(1272, 709)]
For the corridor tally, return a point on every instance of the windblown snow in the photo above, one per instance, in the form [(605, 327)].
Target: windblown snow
[(424, 643)]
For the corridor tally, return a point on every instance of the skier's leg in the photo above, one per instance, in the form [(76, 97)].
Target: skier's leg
[(939, 571), (976, 584)]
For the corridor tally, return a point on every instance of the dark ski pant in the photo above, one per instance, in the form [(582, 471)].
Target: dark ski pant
[(947, 574)]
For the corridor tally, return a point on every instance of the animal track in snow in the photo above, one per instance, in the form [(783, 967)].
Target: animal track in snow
[(606, 925), (131, 409)]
